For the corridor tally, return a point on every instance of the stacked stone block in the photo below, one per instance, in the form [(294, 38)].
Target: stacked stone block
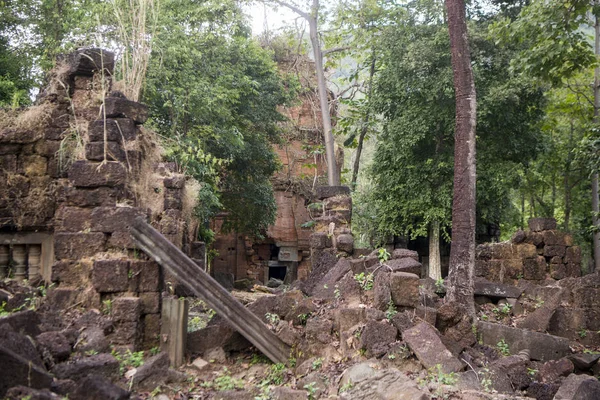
[(537, 254), (87, 199)]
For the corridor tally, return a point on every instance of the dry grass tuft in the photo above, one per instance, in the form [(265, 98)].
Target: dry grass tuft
[(31, 118)]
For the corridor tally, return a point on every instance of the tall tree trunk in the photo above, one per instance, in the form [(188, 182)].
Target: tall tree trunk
[(567, 183), (595, 205), (365, 127), (333, 176), (462, 254), (435, 262)]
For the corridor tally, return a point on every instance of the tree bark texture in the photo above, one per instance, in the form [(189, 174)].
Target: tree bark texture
[(462, 253), (595, 205), (435, 262), (365, 128), (333, 175)]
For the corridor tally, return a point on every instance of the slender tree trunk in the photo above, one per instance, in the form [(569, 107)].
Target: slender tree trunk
[(595, 205), (435, 263), (523, 211), (365, 127), (333, 176), (462, 254), (567, 183)]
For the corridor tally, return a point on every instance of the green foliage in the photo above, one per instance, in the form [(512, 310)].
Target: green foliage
[(391, 310), (3, 311), (412, 169), (107, 307), (128, 359), (383, 255), (364, 280), (273, 319), (224, 382), (437, 376), (317, 363), (503, 348), (275, 376)]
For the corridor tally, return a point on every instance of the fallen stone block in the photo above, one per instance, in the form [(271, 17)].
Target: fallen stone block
[(25, 322), (56, 344), (408, 265), (18, 370), (27, 393), (579, 387), (377, 337), (387, 384), (100, 364), (153, 373), (95, 387), (542, 347), (424, 341), (583, 361), (404, 288)]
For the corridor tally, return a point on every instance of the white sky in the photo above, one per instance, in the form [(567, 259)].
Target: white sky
[(275, 19)]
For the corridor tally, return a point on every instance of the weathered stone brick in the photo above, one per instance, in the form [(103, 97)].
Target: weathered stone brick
[(148, 275), (558, 271), (68, 245), (170, 222), (554, 238), (9, 148), (343, 202), (175, 182), (89, 61), (47, 147), (54, 133), (72, 219), (481, 268), (126, 309), (151, 323), (117, 129), (109, 276), (404, 288), (119, 107), (8, 163), (325, 192), (502, 251), (95, 151), (91, 174), (128, 333), (542, 224), (33, 165), (150, 302), (121, 240), (534, 238), (82, 197), (113, 219), (573, 269), (573, 255), (554, 251), (19, 136), (535, 268), (513, 269), (172, 199), (320, 240), (526, 250)]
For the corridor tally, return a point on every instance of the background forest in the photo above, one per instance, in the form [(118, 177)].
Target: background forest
[(214, 90)]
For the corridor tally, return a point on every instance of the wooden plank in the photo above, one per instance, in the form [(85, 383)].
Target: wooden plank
[(173, 330), (205, 287)]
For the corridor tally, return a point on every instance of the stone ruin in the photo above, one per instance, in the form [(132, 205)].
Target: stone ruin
[(78, 168), (360, 326)]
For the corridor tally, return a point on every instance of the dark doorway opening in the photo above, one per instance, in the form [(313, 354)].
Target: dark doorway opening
[(278, 272)]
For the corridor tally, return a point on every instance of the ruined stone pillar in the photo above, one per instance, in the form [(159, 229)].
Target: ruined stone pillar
[(3, 261), (19, 260), (33, 260)]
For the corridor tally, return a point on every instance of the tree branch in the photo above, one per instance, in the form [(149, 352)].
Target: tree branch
[(334, 50), (292, 7)]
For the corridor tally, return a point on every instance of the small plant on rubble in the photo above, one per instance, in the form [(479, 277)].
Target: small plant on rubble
[(273, 319), (437, 376), (439, 285), (364, 280), (486, 379), (311, 388), (503, 348), (383, 255), (3, 311), (582, 333), (317, 363), (391, 310), (107, 307)]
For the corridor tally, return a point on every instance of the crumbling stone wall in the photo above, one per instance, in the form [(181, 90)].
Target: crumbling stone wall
[(82, 170), (537, 254)]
